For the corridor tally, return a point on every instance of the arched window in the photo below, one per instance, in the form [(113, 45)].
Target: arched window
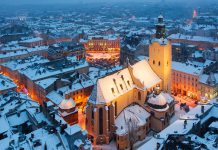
[(139, 96), (121, 86), (128, 82), (116, 108), (159, 63), (109, 118), (93, 113), (112, 90), (100, 121)]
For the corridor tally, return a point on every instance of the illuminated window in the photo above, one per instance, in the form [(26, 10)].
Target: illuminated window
[(100, 121)]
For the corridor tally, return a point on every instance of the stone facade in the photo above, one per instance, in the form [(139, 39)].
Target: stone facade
[(134, 85)]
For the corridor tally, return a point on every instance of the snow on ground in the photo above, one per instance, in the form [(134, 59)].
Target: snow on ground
[(111, 146), (147, 138), (102, 55), (81, 119), (178, 113)]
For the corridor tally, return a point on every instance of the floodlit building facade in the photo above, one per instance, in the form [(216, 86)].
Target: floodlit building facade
[(208, 86), (103, 49), (160, 56), (185, 79), (127, 104)]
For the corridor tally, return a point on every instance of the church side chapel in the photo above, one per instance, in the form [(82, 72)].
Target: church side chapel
[(126, 105)]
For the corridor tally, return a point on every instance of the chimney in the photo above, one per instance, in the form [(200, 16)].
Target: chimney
[(202, 109), (70, 86), (56, 84)]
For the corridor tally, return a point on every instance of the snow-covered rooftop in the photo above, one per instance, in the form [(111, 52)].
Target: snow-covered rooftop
[(144, 73), (187, 68), (20, 109), (23, 52), (51, 69), (46, 82), (161, 41), (211, 79), (108, 37), (193, 38), (6, 83), (119, 83), (73, 129), (24, 63), (135, 113), (30, 40), (157, 100), (194, 116), (112, 86), (214, 125), (67, 104)]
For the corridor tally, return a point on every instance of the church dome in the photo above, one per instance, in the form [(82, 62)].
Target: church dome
[(158, 101), (67, 104)]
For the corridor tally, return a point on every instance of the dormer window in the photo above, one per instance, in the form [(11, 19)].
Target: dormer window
[(122, 77), (128, 82), (121, 86), (112, 90)]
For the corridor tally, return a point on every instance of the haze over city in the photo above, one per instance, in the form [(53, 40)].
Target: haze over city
[(108, 74)]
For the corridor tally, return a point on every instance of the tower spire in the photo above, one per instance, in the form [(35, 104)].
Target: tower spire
[(160, 28), (160, 55), (194, 13)]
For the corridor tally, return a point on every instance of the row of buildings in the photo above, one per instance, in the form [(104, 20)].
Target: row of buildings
[(196, 129), (27, 125), (62, 77), (37, 77)]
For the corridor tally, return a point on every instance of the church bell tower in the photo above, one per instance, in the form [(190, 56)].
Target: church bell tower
[(160, 55)]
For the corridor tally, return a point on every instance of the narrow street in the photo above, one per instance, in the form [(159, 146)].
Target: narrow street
[(81, 119)]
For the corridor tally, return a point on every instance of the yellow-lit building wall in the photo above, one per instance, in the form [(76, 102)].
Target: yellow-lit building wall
[(185, 84), (160, 60)]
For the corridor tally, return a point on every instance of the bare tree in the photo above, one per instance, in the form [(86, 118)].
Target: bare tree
[(132, 130)]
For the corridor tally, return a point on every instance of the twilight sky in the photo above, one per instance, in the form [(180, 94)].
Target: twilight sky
[(78, 1)]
